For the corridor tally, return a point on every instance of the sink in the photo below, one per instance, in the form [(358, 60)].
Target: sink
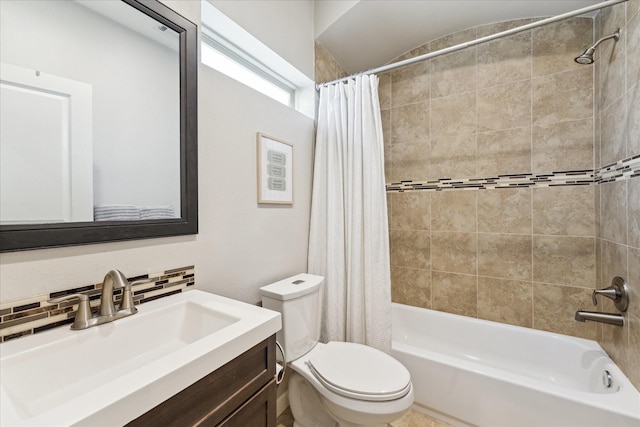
[(117, 371)]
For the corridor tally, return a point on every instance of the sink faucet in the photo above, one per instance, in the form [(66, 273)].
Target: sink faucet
[(113, 280)]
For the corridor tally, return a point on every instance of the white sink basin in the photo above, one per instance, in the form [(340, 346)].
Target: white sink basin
[(112, 373)]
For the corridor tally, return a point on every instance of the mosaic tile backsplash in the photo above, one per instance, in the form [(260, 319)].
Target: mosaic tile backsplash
[(35, 314)]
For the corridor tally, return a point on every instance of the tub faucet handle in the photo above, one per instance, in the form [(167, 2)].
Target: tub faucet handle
[(617, 292)]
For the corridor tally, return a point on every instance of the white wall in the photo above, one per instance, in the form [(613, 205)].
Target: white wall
[(241, 245), (285, 26)]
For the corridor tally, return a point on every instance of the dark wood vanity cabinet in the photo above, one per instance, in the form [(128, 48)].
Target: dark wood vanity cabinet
[(241, 393)]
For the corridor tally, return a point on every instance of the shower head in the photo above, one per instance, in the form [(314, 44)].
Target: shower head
[(586, 57)]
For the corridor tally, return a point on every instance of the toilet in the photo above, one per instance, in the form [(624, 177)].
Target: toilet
[(337, 383)]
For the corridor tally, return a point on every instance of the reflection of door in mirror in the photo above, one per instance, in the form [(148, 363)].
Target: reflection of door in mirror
[(130, 62), (46, 124)]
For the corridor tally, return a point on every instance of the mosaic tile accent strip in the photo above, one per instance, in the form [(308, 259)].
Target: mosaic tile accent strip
[(623, 169), (35, 314)]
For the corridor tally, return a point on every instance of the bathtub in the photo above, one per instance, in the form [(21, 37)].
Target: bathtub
[(471, 372)]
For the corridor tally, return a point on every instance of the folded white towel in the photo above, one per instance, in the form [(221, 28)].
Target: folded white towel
[(156, 212), (116, 213)]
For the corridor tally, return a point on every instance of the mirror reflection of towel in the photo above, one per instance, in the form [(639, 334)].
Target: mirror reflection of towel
[(116, 213), (156, 212), (131, 212)]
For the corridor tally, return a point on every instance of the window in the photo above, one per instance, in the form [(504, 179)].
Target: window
[(222, 55), (231, 50)]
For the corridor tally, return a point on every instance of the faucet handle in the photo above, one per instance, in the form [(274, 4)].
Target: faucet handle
[(127, 302), (618, 292), (83, 315)]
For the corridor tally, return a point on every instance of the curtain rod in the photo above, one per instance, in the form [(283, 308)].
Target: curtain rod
[(476, 41)]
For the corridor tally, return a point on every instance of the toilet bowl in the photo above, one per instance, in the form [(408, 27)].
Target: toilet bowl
[(337, 383)]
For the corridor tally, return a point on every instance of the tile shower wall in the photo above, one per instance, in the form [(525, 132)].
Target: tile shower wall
[(33, 315), (517, 105), (617, 114)]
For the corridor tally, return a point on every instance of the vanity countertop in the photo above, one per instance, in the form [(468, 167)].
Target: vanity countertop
[(112, 373)]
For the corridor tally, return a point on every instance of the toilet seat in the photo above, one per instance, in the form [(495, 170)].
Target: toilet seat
[(359, 372)]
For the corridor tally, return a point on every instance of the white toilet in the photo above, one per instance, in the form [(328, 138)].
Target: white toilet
[(338, 383)]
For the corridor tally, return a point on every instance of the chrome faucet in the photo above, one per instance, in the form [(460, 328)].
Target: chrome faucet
[(594, 316), (113, 280), (619, 293)]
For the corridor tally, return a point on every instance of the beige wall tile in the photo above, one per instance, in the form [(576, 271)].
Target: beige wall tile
[(633, 7), (384, 90), (633, 49), (504, 152), (410, 84), (562, 146), (453, 73), (564, 260), (613, 214), (453, 115), (554, 310), (633, 120), (454, 252), (453, 39), (505, 301), (505, 210), (410, 124), (453, 211), (504, 255), (497, 27), (410, 248), (614, 262), (564, 211), (411, 211), (633, 217), (326, 67), (612, 55), (411, 286), (555, 45), (385, 117), (613, 132), (453, 156), (632, 361), (563, 96), (504, 60), (409, 161), (633, 280), (454, 293), (504, 106)]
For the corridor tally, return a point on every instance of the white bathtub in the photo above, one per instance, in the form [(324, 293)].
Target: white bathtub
[(474, 372)]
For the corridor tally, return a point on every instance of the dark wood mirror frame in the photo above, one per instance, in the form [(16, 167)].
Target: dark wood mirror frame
[(36, 236)]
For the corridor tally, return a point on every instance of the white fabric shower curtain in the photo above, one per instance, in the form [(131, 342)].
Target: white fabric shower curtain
[(349, 239)]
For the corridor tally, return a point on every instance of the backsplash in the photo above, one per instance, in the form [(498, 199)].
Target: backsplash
[(35, 314)]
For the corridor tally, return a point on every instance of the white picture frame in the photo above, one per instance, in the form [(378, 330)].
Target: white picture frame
[(275, 170)]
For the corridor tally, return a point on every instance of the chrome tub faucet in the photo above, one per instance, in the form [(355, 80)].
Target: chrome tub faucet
[(618, 292)]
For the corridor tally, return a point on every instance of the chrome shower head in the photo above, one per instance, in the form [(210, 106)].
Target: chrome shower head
[(586, 57)]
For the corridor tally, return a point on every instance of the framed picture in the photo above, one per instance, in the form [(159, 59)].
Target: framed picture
[(275, 170)]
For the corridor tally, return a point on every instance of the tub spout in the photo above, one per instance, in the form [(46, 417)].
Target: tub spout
[(594, 316)]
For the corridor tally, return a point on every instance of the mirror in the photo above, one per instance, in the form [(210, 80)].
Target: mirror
[(99, 113)]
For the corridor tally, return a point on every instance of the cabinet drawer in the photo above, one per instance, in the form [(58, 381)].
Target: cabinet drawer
[(260, 411), (214, 397)]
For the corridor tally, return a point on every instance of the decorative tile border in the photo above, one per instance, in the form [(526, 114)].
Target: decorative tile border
[(35, 314), (623, 169)]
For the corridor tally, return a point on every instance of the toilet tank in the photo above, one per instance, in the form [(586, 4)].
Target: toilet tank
[(297, 299)]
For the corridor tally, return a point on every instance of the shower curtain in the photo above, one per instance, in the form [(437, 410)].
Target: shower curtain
[(349, 239)]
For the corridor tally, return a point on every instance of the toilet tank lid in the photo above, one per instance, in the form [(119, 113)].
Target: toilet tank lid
[(292, 287)]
